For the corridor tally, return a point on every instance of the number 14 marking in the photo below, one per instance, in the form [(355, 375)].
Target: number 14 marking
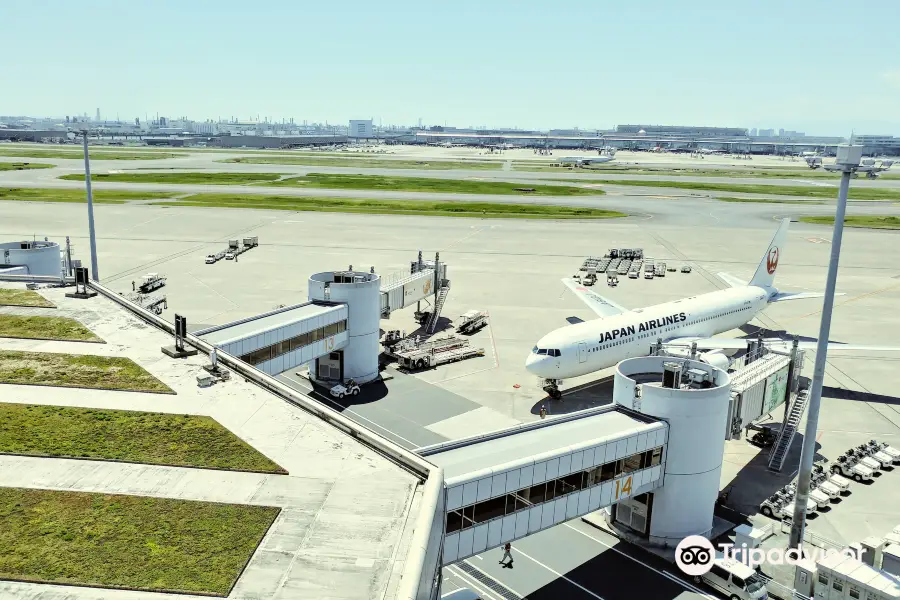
[(623, 489)]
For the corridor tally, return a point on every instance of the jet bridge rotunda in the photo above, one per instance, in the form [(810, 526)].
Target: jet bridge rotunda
[(360, 291), (692, 397)]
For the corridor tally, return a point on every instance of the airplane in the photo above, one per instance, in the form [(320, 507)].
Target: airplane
[(579, 161), (867, 166), (584, 347)]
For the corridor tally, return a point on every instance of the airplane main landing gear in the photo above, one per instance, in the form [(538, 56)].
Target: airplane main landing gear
[(551, 387)]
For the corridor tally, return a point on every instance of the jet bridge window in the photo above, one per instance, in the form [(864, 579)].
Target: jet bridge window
[(493, 508), (277, 349)]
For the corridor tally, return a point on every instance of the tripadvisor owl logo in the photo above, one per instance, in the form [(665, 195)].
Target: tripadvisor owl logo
[(694, 555)]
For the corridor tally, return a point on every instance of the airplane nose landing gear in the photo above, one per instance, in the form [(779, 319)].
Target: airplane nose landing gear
[(551, 387)]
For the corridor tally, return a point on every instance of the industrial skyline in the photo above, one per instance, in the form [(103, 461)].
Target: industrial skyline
[(530, 66), (185, 124)]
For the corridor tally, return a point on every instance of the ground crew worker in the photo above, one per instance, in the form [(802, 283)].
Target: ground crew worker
[(506, 554)]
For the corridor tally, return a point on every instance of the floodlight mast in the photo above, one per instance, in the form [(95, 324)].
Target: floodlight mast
[(848, 158), (95, 273)]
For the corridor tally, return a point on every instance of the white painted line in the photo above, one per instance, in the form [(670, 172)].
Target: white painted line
[(471, 582), (645, 565), (493, 345), (478, 557), (561, 576)]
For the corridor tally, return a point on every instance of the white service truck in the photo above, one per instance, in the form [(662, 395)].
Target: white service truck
[(734, 579)]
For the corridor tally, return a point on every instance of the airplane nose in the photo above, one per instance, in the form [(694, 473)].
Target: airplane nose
[(535, 363)]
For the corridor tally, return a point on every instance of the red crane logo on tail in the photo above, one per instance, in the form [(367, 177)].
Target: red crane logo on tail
[(772, 260)]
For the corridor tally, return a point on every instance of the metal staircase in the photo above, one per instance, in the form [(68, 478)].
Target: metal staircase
[(438, 305), (786, 437)]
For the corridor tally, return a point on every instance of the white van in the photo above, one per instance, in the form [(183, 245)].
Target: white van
[(461, 594), (735, 580)]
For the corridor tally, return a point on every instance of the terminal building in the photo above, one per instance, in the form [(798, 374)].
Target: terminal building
[(628, 137), (878, 145)]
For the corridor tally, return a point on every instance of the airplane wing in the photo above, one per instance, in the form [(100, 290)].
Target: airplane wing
[(604, 307), (774, 343)]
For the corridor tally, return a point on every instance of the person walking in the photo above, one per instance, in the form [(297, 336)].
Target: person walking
[(507, 548), (543, 411)]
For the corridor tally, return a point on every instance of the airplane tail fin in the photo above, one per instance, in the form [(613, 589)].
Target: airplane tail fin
[(765, 272)]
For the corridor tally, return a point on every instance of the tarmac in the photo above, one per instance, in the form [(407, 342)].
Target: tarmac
[(512, 268)]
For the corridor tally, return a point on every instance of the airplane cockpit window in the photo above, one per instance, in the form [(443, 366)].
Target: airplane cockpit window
[(534, 350), (542, 351)]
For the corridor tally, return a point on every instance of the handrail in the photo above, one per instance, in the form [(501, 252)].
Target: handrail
[(37, 278), (515, 429), (415, 568), (253, 318)]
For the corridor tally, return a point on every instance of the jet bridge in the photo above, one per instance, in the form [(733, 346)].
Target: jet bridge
[(426, 280), (509, 484), (285, 338)]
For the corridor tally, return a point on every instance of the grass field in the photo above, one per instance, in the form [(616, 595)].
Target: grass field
[(12, 297), (22, 166), (78, 154), (124, 435), (72, 370), (366, 163), (195, 178), (434, 185), (856, 193), (45, 328), (69, 195), (766, 201), (127, 541), (869, 222), (490, 210)]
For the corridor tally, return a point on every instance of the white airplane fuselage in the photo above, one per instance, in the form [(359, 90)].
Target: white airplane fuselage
[(593, 345)]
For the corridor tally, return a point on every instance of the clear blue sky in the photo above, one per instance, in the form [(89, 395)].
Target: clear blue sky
[(822, 67)]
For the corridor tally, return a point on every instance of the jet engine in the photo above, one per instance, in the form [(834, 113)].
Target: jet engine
[(716, 358)]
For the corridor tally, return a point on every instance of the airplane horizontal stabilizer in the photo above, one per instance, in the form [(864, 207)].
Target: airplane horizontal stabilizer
[(782, 296), (731, 280)]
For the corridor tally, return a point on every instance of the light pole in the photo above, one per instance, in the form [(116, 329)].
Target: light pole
[(847, 162), (95, 274)]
